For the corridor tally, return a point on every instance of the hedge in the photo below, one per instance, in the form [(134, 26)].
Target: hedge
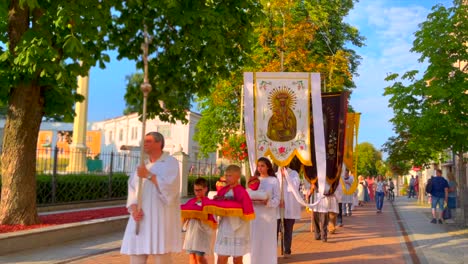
[(80, 187), (72, 188)]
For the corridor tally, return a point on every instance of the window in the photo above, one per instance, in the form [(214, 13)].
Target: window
[(110, 136), (134, 133), (165, 130), (121, 135)]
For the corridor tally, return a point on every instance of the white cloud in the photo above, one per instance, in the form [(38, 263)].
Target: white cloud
[(389, 27)]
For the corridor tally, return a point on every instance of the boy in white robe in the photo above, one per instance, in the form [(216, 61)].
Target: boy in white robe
[(233, 237), (199, 234)]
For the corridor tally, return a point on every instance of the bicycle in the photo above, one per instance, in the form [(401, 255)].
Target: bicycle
[(390, 195)]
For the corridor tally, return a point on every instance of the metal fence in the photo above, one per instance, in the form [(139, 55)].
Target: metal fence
[(104, 178), (58, 161)]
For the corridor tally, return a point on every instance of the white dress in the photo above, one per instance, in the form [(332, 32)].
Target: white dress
[(233, 236), (263, 227), (160, 228), (198, 236)]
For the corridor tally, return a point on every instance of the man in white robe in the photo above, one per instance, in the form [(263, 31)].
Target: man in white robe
[(292, 208), (159, 217)]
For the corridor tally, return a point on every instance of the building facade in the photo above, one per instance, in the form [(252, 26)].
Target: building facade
[(123, 135)]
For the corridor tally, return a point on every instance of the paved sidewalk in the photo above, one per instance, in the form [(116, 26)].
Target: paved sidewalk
[(433, 243), (366, 237)]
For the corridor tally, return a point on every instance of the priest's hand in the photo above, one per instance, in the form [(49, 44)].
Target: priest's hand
[(283, 169), (281, 204), (137, 215), (142, 171)]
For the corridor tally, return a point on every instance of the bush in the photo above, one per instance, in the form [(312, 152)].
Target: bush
[(80, 187), (404, 190)]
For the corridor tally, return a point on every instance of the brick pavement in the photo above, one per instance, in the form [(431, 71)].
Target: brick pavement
[(366, 237)]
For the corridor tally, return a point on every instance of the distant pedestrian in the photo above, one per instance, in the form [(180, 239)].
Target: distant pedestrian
[(411, 192), (347, 199), (370, 187), (416, 186), (452, 193), (361, 190), (439, 194), (380, 190)]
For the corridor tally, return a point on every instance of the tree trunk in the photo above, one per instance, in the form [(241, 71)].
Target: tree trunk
[(462, 188), (25, 112)]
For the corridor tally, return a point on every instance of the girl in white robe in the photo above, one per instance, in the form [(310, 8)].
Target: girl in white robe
[(263, 227)]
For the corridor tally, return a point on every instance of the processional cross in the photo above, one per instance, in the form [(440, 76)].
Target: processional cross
[(145, 89)]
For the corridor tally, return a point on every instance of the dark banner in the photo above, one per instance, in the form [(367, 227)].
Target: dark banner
[(334, 107)]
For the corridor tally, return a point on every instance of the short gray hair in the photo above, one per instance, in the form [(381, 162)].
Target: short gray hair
[(158, 137)]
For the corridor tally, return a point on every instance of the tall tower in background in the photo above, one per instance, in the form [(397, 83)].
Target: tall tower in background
[(78, 149)]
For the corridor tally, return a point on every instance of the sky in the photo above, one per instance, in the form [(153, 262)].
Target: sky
[(389, 27)]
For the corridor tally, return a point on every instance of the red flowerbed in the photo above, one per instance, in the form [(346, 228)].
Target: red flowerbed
[(68, 217)]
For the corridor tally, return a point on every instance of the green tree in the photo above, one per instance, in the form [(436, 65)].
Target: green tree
[(297, 35), (369, 160), (41, 49), (193, 44), (431, 112), (46, 44)]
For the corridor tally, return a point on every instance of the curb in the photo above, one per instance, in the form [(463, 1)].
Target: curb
[(29, 239)]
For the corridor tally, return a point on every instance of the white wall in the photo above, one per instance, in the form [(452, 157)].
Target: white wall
[(126, 130)]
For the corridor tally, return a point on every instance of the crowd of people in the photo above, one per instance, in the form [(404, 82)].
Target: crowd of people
[(268, 209)]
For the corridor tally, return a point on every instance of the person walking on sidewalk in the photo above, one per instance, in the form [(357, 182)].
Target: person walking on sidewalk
[(452, 193), (159, 217), (380, 191), (411, 192), (439, 194)]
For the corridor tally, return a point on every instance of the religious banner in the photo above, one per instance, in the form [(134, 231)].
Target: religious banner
[(349, 141), (352, 125), (278, 110), (350, 151), (334, 107)]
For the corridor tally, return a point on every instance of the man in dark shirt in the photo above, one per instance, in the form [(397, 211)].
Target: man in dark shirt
[(439, 194)]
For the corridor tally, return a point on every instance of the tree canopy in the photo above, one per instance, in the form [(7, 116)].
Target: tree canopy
[(293, 36), (431, 111), (193, 44), (369, 160), (46, 44)]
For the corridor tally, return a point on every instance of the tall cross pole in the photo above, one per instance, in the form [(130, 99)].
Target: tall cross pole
[(145, 89)]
